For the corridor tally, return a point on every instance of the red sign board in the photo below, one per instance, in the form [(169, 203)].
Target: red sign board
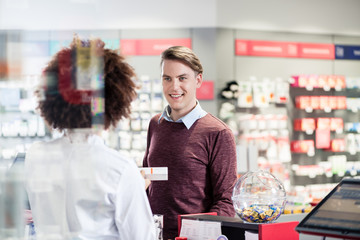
[(151, 47), (266, 48), (206, 91), (283, 49), (312, 50)]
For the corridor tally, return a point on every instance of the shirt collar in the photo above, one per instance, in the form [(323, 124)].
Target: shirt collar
[(188, 119)]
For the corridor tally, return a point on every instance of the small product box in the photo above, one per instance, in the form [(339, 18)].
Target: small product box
[(156, 173), (282, 91), (323, 123), (341, 102), (322, 81), (315, 102), (337, 145), (260, 94), (336, 124), (245, 98), (324, 102), (322, 138), (304, 124), (352, 104), (302, 102), (340, 82), (303, 81), (332, 81), (302, 146), (313, 81), (333, 102), (300, 81)]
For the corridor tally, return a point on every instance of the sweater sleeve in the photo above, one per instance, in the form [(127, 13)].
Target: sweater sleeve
[(223, 173)]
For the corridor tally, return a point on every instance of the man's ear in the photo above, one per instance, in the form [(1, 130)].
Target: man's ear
[(199, 80)]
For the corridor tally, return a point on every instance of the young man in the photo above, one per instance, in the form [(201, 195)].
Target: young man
[(198, 149)]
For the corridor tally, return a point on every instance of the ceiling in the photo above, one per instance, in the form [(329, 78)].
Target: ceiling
[(307, 16)]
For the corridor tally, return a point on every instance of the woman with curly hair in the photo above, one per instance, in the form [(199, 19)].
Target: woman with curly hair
[(78, 187)]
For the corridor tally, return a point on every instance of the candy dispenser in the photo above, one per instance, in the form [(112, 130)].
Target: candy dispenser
[(259, 197)]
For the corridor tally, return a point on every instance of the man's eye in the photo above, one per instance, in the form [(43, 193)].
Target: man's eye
[(166, 79), (182, 78)]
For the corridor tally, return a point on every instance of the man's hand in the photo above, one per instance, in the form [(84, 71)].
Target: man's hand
[(147, 181)]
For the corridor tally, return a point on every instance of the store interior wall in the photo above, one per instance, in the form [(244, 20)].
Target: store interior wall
[(307, 16), (216, 49)]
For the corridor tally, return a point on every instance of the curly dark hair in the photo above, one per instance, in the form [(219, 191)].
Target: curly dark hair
[(60, 106)]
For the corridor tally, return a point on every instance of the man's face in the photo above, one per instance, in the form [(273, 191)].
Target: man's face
[(179, 87)]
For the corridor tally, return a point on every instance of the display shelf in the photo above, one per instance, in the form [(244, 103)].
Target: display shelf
[(260, 126), (331, 159), (130, 134), (326, 161), (20, 125)]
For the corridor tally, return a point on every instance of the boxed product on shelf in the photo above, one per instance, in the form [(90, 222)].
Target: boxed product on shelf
[(322, 138), (304, 124), (331, 81), (338, 163), (340, 82), (323, 123), (352, 168), (281, 91), (310, 171), (312, 81), (341, 102), (352, 127), (327, 168), (302, 102), (333, 103), (299, 81), (245, 98), (337, 145), (353, 104), (270, 88), (315, 102), (351, 144), (260, 95), (324, 102), (353, 82), (319, 81), (302, 146), (336, 124), (322, 81)]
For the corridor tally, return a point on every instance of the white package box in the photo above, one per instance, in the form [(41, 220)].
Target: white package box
[(156, 173)]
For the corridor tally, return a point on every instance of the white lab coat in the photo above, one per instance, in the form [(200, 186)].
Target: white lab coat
[(79, 188)]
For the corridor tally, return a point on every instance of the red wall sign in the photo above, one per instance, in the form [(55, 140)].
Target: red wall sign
[(318, 50), (283, 49), (266, 48), (151, 47), (206, 91)]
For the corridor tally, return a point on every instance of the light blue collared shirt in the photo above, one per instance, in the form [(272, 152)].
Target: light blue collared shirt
[(188, 119)]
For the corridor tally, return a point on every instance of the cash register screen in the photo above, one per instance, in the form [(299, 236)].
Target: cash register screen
[(338, 214)]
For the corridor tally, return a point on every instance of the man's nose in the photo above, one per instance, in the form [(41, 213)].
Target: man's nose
[(175, 84)]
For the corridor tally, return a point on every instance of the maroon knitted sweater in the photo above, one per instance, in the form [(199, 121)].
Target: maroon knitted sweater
[(201, 165)]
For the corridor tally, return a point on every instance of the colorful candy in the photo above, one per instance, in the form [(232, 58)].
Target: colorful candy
[(259, 213)]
